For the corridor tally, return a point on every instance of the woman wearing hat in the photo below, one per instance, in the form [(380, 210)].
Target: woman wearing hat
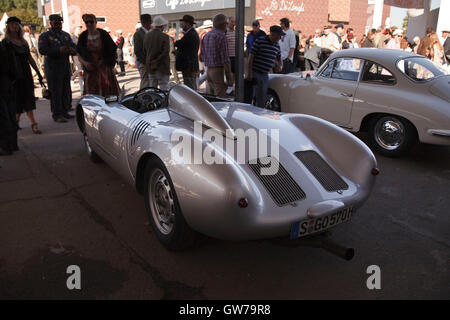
[(97, 54), (23, 87)]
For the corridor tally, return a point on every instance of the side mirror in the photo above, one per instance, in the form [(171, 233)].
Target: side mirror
[(111, 99)]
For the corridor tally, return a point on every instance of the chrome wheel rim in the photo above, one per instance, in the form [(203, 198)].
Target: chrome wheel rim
[(162, 203), (389, 133), (271, 103)]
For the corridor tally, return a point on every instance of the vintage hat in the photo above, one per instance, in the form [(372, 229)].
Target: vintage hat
[(159, 21), (277, 29), (398, 32), (207, 24), (13, 19), (55, 17), (187, 18)]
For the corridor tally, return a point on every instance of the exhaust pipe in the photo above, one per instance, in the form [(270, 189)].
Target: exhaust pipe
[(322, 241), (337, 249)]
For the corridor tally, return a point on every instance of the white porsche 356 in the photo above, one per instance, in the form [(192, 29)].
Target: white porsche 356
[(313, 176), (399, 98)]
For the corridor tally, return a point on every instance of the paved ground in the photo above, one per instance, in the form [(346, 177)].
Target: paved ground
[(59, 209)]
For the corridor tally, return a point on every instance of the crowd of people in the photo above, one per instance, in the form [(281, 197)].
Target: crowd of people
[(202, 54)]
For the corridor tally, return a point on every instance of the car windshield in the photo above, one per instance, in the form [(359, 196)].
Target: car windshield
[(420, 69)]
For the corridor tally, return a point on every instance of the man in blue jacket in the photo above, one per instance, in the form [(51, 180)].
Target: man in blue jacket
[(57, 45)]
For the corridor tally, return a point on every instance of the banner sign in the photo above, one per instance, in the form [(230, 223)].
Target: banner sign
[(155, 7)]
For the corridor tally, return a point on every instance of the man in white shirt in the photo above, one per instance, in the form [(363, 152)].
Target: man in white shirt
[(318, 37), (330, 41), (287, 46)]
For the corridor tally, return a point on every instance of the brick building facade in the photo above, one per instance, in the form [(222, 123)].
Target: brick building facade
[(114, 14), (306, 15)]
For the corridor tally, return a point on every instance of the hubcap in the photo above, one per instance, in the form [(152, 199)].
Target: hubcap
[(271, 103), (389, 133), (161, 202)]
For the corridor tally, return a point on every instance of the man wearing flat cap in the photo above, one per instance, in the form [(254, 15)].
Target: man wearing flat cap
[(187, 53), (138, 39), (57, 45)]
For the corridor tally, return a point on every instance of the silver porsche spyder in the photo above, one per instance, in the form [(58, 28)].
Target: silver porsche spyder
[(226, 169)]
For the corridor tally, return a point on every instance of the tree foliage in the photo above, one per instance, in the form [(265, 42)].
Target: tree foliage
[(25, 10)]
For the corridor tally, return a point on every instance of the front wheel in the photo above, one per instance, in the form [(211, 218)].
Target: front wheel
[(391, 136), (163, 208)]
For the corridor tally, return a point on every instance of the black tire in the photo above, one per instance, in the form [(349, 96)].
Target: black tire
[(157, 183), (391, 136), (93, 156), (272, 101)]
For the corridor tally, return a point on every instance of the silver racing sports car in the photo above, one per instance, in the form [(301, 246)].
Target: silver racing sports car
[(226, 169)]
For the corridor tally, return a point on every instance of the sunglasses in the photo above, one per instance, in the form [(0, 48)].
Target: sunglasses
[(89, 22)]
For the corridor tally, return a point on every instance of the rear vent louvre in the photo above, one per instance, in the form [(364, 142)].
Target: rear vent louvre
[(281, 186), (138, 131), (321, 170)]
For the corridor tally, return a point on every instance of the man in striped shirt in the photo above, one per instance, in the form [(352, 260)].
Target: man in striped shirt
[(264, 55)]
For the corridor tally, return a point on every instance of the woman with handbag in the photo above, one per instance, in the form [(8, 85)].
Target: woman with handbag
[(23, 87), (97, 54)]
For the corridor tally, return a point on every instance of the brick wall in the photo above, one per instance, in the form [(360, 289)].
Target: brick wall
[(339, 10), (308, 15), (120, 14)]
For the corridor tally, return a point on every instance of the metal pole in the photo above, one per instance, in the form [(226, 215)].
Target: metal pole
[(239, 75), (426, 11)]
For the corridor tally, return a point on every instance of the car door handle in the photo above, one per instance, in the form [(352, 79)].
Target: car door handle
[(348, 95)]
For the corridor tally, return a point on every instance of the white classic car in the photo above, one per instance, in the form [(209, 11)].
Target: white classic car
[(311, 183), (399, 98)]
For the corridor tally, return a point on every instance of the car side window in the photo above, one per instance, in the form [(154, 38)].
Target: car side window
[(375, 73), (346, 69), (327, 71)]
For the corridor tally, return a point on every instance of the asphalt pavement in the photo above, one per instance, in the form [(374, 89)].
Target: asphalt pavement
[(57, 209)]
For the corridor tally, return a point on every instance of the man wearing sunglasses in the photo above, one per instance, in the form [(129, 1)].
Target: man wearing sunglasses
[(57, 45)]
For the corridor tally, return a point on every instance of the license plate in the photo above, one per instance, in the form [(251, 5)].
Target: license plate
[(310, 226)]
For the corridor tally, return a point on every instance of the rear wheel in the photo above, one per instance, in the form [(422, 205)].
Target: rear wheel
[(391, 136), (163, 208), (272, 101)]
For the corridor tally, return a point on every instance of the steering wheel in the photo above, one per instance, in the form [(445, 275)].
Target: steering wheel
[(149, 99)]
